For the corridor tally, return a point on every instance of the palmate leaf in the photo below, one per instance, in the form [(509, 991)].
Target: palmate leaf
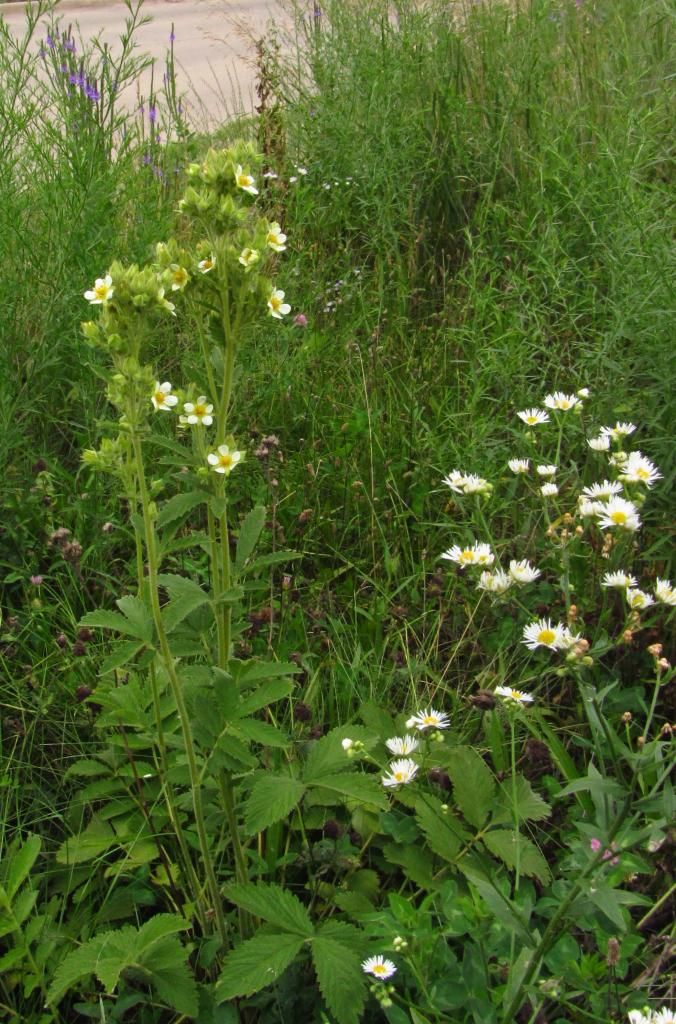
[(274, 904), (341, 979), (272, 798), (256, 963)]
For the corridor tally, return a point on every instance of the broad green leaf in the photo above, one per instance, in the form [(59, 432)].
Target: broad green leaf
[(354, 786), (249, 532), (513, 848), (274, 904), (135, 610), (17, 863), (473, 783), (256, 963), (377, 720), (327, 755), (341, 979), (503, 909), (87, 769), (23, 904), (158, 927), (254, 671), (123, 652), (103, 619), (176, 986), (97, 838), (518, 796), (265, 561), (268, 693), (179, 506), (415, 861), (443, 832), (261, 732), (180, 607), (271, 799)]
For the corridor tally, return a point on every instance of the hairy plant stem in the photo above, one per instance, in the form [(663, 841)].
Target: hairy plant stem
[(170, 668)]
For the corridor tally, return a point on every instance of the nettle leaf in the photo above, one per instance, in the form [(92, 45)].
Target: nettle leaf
[(274, 904), (511, 847), (519, 797), (444, 834), (341, 979), (271, 799), (354, 786), (249, 532), (256, 963), (473, 783), (179, 506)]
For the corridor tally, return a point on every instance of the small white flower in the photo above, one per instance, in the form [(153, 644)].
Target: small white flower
[(179, 277), (277, 306), (523, 571), (101, 292), (204, 266), (271, 175), (587, 508), (245, 181), (495, 582), (162, 398), (568, 639), (546, 470), (549, 490), (302, 170), (621, 513), (639, 470), (561, 402), (664, 592), (379, 967), (533, 417), (619, 431), (473, 484), (402, 772), (519, 465), (198, 412), (621, 580), (428, 719), (599, 444), (663, 1016), (517, 696), (601, 491), (347, 743), (293, 179), (543, 634), (402, 745), (248, 258), (636, 1017), (478, 554), (223, 460), (276, 238), (455, 480), (638, 599), (583, 393)]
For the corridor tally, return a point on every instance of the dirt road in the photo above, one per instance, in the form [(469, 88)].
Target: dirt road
[(213, 49)]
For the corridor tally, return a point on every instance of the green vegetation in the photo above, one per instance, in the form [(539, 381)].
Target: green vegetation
[(332, 689)]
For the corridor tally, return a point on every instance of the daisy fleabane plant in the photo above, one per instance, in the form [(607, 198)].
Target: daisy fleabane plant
[(560, 402), (379, 967), (514, 696), (402, 745), (401, 772), (543, 634), (479, 554), (428, 719), (533, 417)]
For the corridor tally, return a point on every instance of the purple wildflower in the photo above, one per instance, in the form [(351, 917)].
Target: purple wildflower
[(92, 93), (64, 69), (68, 44), (50, 42), (37, 581), (172, 35), (147, 159), (152, 114)]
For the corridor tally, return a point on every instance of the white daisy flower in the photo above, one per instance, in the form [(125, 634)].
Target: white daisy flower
[(204, 266), (162, 398), (639, 470), (543, 634), (519, 465), (379, 967), (533, 417), (523, 571), (473, 484), (599, 444), (495, 582), (402, 744), (428, 719), (546, 470), (223, 460), (248, 258), (664, 592), (277, 306), (402, 772), (619, 512), (518, 696), (621, 580), (605, 490), (549, 490), (561, 402), (455, 480), (101, 292), (276, 238), (619, 431), (638, 599), (478, 554), (587, 508), (636, 1017), (245, 181), (199, 412), (663, 1016)]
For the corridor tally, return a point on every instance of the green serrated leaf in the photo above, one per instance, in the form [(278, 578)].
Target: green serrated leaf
[(272, 798), (266, 561), (87, 769), (97, 838), (341, 979), (473, 783), (354, 786), (256, 963), (158, 927), (178, 506), (327, 755), (262, 732), (517, 797), (268, 693), (249, 532), (17, 863), (103, 619), (136, 612), (274, 904), (513, 848), (415, 861), (180, 607), (123, 652), (255, 671), (443, 831)]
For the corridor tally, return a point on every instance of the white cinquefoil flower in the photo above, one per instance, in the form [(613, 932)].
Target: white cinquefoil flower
[(599, 444), (428, 719), (597, 492), (561, 402), (402, 745), (516, 696), (379, 967), (162, 398), (101, 292), (199, 412), (401, 772), (621, 580), (224, 459), (245, 181), (533, 417), (621, 513), (664, 592), (495, 582), (639, 470), (276, 238), (543, 634), (277, 306), (638, 599), (478, 554), (204, 266), (523, 571), (249, 258), (519, 465)]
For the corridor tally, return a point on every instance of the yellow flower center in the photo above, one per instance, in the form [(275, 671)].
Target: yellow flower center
[(101, 291), (180, 276), (531, 419), (642, 473), (207, 264), (546, 636), (275, 303), (399, 776), (226, 461), (619, 517), (160, 397), (515, 694), (379, 969), (244, 180), (429, 720), (200, 410), (467, 555)]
